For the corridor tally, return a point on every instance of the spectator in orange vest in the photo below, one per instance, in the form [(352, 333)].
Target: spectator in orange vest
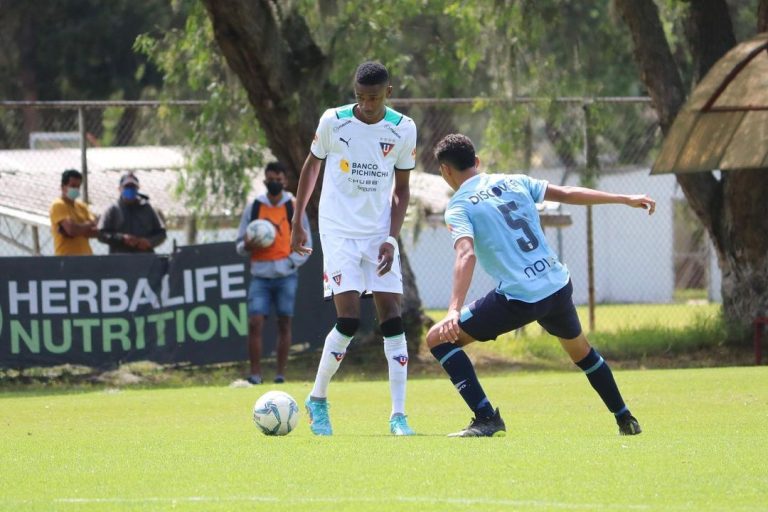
[(72, 223), (274, 276)]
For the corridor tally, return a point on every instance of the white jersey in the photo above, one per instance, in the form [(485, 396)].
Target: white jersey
[(361, 159)]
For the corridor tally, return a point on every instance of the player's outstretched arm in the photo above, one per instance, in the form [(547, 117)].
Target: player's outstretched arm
[(307, 180), (588, 196)]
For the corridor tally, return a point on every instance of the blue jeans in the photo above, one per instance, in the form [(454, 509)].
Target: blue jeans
[(280, 291)]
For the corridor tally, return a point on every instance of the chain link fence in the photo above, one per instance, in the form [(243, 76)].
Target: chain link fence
[(606, 143)]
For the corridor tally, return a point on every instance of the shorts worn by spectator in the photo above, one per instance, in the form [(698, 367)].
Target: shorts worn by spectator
[(131, 225), (274, 270)]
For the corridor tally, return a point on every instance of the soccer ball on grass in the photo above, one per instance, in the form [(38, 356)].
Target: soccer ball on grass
[(261, 232), (276, 413)]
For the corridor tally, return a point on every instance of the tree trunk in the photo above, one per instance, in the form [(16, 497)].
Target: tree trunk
[(709, 32), (730, 208), (743, 248), (414, 318), (268, 45), (762, 16)]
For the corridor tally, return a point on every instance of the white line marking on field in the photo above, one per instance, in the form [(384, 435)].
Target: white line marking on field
[(384, 500), (498, 503)]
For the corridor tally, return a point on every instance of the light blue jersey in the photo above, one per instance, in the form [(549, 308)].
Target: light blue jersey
[(499, 212)]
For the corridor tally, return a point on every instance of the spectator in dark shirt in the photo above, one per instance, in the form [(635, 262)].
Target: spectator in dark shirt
[(131, 224)]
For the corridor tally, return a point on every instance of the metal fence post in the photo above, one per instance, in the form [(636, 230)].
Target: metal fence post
[(83, 151), (589, 179), (35, 241)]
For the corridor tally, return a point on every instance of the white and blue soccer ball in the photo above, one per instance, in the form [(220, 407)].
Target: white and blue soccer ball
[(276, 413), (261, 232)]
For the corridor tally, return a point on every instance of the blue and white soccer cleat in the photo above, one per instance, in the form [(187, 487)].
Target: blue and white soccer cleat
[(319, 421), (398, 425)]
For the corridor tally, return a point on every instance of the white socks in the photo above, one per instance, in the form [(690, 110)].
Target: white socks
[(333, 352), (396, 351)]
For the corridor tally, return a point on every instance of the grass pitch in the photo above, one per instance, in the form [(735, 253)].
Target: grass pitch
[(703, 448)]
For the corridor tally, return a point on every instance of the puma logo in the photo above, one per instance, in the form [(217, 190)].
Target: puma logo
[(345, 141)]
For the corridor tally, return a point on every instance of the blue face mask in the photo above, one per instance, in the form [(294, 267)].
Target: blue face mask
[(73, 193), (130, 193)]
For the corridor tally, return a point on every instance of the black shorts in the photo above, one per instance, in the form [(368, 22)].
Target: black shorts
[(494, 314)]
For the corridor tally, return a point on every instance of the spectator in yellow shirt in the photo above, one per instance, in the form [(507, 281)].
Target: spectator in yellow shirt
[(72, 223)]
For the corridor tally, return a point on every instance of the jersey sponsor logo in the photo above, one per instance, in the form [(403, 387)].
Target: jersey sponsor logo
[(344, 165), (394, 132), (489, 193), (368, 169), (345, 141), (338, 355), (386, 147), (539, 266), (402, 359), (342, 125)]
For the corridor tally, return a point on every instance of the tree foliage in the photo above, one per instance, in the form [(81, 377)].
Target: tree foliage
[(224, 143), (78, 50)]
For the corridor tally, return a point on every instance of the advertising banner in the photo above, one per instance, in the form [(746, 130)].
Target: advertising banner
[(99, 310)]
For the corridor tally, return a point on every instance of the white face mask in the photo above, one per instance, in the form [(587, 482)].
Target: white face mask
[(73, 193)]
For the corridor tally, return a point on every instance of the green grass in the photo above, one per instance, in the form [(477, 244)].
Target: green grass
[(622, 332), (621, 317), (703, 448)]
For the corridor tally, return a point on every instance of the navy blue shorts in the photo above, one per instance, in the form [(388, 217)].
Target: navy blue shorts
[(494, 314)]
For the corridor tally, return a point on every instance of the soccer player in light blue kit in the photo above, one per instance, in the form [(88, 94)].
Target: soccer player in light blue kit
[(493, 219)]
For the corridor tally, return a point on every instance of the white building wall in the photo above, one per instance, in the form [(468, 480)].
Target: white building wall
[(633, 252)]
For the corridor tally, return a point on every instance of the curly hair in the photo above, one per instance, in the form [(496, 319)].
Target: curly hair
[(371, 73), (456, 150)]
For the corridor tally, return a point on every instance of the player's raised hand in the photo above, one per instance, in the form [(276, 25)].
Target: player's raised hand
[(386, 257), (642, 201), (299, 240)]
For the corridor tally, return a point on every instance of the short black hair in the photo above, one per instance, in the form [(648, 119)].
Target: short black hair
[(277, 167), (456, 150), (70, 173), (371, 73)]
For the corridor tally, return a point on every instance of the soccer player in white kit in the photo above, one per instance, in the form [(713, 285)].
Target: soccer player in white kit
[(369, 150)]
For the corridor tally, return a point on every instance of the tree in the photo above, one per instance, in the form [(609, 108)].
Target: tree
[(730, 206), (223, 143), (77, 50)]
